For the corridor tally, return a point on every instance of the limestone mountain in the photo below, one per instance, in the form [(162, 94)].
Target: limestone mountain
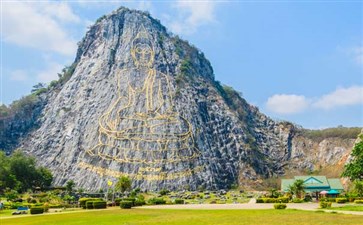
[(139, 101)]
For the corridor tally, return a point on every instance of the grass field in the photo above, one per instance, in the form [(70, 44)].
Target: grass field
[(140, 216), (349, 208)]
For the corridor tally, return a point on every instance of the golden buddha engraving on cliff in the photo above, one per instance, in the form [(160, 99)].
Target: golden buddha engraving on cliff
[(142, 126)]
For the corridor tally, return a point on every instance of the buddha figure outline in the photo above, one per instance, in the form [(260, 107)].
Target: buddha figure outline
[(142, 125)]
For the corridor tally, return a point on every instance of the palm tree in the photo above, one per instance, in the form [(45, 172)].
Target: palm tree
[(297, 188)]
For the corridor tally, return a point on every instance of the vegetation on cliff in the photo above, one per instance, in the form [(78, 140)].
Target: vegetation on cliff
[(354, 169)]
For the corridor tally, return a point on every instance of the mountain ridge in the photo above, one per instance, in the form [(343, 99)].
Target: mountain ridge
[(197, 132)]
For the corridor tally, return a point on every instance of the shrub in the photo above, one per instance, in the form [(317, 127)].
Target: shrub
[(283, 200), (55, 206), (46, 207), (341, 200), (82, 201), (297, 200), (325, 205), (269, 200), (99, 204), (156, 201), (164, 192), (126, 204), (130, 200), (179, 201), (280, 206), (139, 202), (89, 204), (308, 198), (117, 201), (273, 200), (37, 210), (358, 201)]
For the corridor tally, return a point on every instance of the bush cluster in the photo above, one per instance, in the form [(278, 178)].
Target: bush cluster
[(297, 200), (130, 200), (273, 200), (117, 201), (100, 205), (157, 201), (341, 200), (325, 205), (89, 205), (280, 206), (36, 210), (126, 204), (179, 201), (358, 201), (83, 201), (139, 202), (328, 199), (96, 204)]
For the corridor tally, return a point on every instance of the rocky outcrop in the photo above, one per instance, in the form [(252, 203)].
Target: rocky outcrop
[(143, 103), (19, 120)]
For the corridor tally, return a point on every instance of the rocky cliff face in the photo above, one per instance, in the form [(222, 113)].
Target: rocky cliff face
[(144, 103)]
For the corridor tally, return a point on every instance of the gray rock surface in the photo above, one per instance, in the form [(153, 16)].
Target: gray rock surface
[(143, 103)]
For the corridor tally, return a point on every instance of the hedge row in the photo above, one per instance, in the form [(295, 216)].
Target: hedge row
[(179, 201), (126, 204), (273, 200), (157, 201), (341, 200), (96, 204), (37, 210), (83, 201)]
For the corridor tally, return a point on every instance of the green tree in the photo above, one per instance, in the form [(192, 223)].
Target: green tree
[(354, 169), (297, 188), (45, 177), (38, 86), (123, 184), (19, 172), (358, 188), (70, 185)]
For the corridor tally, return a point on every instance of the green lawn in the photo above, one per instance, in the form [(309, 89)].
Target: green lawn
[(140, 216), (7, 212), (349, 208)]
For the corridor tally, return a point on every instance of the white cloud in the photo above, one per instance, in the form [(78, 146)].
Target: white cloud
[(190, 16), (287, 104), (292, 104), (59, 10), (19, 75), (38, 25), (341, 97)]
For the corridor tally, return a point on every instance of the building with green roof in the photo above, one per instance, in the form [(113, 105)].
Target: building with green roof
[(315, 184)]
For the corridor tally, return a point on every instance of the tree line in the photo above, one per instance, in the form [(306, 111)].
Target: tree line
[(19, 172)]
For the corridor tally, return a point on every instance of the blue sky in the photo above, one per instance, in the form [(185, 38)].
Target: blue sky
[(300, 61)]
